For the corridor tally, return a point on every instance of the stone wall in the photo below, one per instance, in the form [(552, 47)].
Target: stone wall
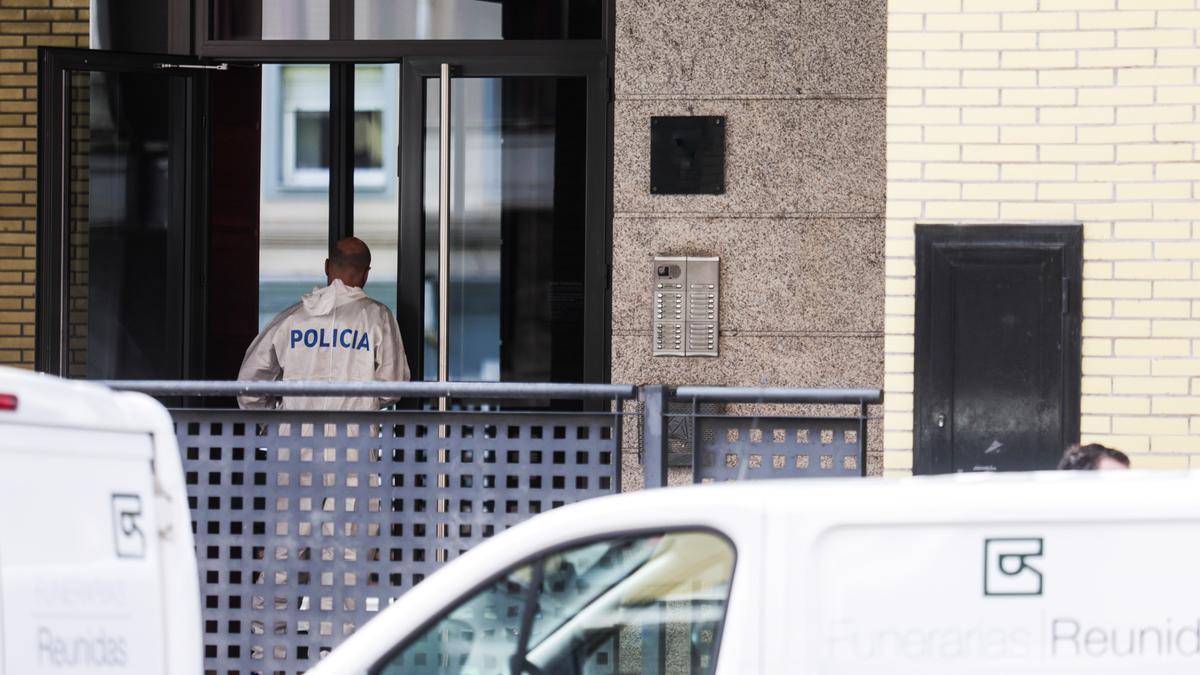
[(799, 228)]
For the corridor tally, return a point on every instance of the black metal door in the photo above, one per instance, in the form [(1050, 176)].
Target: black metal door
[(997, 347)]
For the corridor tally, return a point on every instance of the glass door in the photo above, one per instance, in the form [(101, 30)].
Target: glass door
[(503, 243), (113, 191)]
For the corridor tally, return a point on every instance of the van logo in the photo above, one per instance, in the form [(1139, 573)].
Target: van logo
[(128, 537), (1006, 567)]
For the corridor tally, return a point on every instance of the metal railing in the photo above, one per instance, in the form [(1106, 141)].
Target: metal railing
[(412, 390), (307, 523), (730, 446)]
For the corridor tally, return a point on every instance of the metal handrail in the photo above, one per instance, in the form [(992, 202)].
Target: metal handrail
[(487, 390), (655, 399), (778, 395)]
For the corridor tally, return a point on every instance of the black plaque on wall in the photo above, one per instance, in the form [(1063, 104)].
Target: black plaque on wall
[(687, 155)]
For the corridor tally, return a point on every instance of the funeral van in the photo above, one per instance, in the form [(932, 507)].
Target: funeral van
[(97, 568), (1045, 573)]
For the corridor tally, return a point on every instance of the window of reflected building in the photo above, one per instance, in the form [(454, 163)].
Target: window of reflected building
[(269, 19), (274, 20), (294, 208), (376, 213)]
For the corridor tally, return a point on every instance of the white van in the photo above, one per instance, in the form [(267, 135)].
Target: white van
[(97, 568), (1031, 574)]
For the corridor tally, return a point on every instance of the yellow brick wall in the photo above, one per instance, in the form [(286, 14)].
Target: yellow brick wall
[(25, 25), (1011, 111)]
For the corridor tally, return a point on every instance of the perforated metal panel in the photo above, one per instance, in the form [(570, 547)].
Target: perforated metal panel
[(304, 531), (749, 448)]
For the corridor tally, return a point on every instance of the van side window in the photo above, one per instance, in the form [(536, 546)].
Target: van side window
[(630, 605)]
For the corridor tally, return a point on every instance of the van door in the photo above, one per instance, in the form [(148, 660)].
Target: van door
[(80, 575), (3, 659), (1062, 575)]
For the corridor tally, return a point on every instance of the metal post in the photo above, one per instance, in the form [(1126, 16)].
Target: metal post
[(654, 435), (341, 149), (863, 412), (618, 412), (695, 449), (444, 235)]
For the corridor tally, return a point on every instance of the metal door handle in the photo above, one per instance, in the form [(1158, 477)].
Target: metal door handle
[(941, 421), (444, 234)]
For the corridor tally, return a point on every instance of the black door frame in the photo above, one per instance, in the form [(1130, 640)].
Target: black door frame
[(928, 237), (598, 254), (588, 58), (189, 152), (342, 46)]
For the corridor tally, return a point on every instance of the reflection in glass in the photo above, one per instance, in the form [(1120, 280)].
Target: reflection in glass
[(409, 19), (376, 206), (269, 19), (312, 139), (477, 19), (474, 229), (516, 228), (294, 225), (587, 610), (368, 139), (78, 193), (298, 97), (124, 287)]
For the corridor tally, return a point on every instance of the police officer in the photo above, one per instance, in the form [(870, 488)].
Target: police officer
[(335, 333)]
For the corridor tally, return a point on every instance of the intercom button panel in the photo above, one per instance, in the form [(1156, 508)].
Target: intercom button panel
[(669, 310), (686, 301), (703, 278)]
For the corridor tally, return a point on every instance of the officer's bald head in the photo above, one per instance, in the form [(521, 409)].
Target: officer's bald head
[(350, 261)]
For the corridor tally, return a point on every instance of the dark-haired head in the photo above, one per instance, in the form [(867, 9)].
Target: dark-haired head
[(1093, 456)]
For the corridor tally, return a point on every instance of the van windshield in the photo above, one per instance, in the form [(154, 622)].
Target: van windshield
[(586, 610), (573, 580)]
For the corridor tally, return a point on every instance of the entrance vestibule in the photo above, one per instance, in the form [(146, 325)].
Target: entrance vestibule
[(187, 200)]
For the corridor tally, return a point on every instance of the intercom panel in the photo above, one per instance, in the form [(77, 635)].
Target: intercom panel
[(686, 301)]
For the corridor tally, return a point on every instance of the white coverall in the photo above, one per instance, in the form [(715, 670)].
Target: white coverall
[(335, 333)]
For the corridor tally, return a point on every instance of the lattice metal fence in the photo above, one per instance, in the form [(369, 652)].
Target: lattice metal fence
[(728, 446), (750, 448), (308, 524)]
